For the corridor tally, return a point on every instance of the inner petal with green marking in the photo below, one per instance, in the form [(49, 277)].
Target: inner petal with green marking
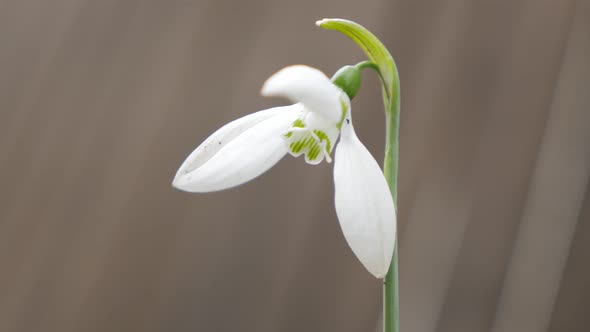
[(314, 136), (315, 144)]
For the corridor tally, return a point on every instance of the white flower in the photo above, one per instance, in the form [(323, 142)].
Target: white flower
[(247, 147)]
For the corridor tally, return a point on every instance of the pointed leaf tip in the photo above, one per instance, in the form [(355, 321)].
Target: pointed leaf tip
[(320, 22)]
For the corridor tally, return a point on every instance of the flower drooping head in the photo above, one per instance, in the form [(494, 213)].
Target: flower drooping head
[(247, 147)]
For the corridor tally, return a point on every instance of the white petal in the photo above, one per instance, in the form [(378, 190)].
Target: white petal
[(364, 204), (237, 152), (308, 86)]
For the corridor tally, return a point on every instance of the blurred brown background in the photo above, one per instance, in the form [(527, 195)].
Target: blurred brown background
[(101, 100)]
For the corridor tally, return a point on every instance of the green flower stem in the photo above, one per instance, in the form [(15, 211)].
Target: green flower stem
[(382, 61), (390, 167), (390, 170)]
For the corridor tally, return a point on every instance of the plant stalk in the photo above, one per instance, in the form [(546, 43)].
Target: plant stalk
[(390, 170)]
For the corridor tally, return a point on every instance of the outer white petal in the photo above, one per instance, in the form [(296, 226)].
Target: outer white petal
[(237, 152), (308, 86), (364, 204)]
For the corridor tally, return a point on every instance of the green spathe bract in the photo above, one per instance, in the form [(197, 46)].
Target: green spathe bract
[(382, 59), (375, 51)]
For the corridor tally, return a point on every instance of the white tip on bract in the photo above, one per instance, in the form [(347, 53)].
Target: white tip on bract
[(306, 85), (364, 204), (238, 152)]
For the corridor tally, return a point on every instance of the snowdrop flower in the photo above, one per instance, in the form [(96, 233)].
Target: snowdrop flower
[(247, 147)]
